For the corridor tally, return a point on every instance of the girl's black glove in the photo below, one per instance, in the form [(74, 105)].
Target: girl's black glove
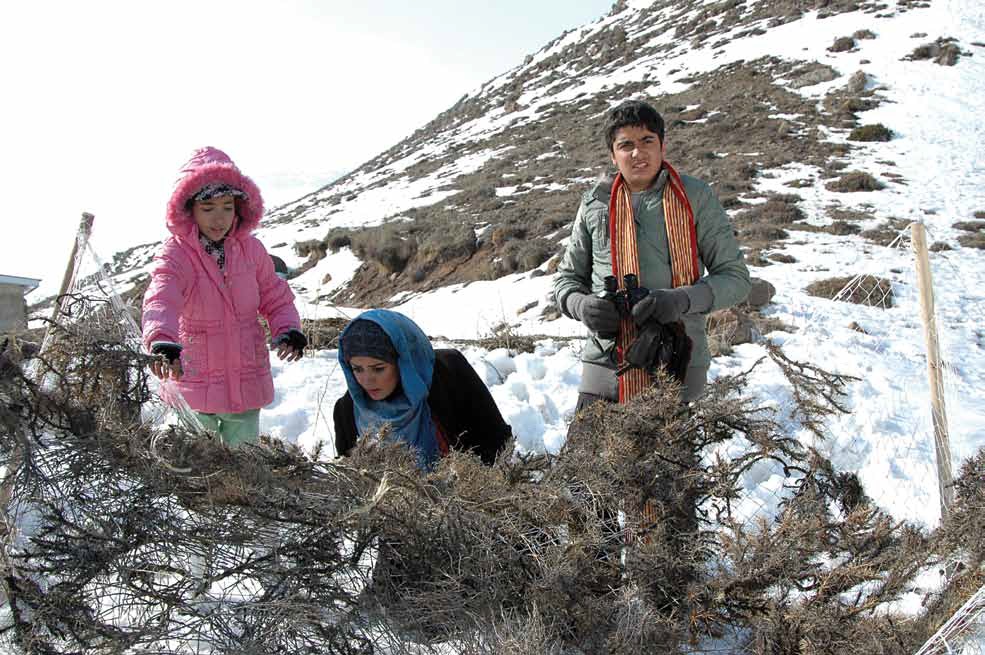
[(168, 362), (170, 351), (291, 345)]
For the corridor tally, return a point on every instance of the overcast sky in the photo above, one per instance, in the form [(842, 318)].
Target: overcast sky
[(101, 101)]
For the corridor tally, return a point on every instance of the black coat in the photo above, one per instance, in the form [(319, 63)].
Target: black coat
[(459, 401)]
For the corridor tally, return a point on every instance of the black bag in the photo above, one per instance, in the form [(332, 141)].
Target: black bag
[(658, 346)]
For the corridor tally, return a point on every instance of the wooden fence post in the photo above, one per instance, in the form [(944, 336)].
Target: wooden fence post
[(68, 280), (934, 369)]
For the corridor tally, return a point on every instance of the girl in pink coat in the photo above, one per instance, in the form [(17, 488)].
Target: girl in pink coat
[(210, 283)]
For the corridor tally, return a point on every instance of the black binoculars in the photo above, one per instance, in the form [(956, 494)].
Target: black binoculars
[(625, 298)]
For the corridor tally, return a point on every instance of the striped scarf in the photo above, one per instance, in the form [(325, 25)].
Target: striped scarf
[(683, 242)]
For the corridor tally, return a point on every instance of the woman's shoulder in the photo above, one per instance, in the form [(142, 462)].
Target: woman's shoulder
[(449, 358), (344, 403), (452, 371)]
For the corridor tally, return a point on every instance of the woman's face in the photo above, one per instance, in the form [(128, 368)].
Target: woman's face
[(377, 377), (215, 216)]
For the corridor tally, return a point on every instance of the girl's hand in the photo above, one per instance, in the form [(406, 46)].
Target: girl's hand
[(290, 345), (168, 362)]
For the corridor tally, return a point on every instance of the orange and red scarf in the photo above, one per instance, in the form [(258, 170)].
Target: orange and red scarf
[(683, 241)]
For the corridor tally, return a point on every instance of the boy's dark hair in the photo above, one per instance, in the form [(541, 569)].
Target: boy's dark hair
[(632, 113)]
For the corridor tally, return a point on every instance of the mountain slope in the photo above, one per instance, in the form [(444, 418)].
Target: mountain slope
[(486, 188)]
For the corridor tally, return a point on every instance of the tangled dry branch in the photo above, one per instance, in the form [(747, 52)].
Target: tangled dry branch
[(636, 535)]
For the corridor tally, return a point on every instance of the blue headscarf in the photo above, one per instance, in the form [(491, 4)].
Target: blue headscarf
[(406, 410)]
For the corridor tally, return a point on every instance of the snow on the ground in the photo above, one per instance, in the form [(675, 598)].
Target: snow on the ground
[(887, 436)]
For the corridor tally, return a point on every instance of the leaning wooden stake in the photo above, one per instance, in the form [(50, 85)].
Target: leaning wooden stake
[(934, 369), (71, 270)]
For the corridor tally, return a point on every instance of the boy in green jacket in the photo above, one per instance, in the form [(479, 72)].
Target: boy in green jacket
[(667, 229)]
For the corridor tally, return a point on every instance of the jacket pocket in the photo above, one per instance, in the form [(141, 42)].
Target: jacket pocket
[(598, 227), (253, 347), (194, 356), (599, 351)]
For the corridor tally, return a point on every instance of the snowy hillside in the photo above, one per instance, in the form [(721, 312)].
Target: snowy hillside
[(932, 170), (787, 141)]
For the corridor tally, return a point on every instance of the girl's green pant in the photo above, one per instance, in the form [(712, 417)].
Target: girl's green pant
[(234, 429)]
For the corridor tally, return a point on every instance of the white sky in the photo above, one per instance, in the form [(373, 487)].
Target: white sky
[(101, 101)]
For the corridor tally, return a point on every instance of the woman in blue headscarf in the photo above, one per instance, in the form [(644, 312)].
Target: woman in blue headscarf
[(432, 401)]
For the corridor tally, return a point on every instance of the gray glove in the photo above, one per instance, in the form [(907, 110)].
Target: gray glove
[(663, 306), (598, 314)]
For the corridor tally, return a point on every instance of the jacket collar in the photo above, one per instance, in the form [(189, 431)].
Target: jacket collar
[(603, 190)]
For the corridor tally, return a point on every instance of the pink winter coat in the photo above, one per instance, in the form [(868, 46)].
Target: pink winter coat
[(212, 313)]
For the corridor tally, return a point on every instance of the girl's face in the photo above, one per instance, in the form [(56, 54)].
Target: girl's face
[(215, 217), (377, 377)]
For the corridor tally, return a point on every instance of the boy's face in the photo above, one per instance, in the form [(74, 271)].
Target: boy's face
[(215, 216), (638, 153)]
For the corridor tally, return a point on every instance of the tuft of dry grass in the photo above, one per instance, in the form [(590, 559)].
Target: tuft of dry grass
[(867, 290), (969, 226), (874, 132), (976, 240), (855, 181)]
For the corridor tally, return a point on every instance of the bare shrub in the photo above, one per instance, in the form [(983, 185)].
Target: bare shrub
[(386, 246), (758, 233), (862, 35), (855, 181), (842, 228), (857, 83), (323, 333), (976, 240), (874, 132), (337, 239), (818, 394), (504, 336), (867, 290), (313, 248), (508, 232), (811, 74), (886, 233), (555, 222), (727, 328), (535, 253), (939, 246), (452, 241), (775, 211), (943, 51), (842, 44), (783, 258), (261, 549), (969, 226)]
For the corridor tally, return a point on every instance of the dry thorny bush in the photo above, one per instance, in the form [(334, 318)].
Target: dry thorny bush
[(127, 538)]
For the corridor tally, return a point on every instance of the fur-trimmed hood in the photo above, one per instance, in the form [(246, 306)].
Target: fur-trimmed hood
[(212, 166)]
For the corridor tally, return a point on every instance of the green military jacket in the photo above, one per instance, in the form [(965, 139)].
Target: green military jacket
[(588, 259)]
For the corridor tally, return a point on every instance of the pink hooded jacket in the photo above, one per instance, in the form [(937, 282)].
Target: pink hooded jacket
[(212, 313)]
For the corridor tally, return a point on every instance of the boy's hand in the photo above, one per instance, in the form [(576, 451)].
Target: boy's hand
[(168, 362), (663, 306), (290, 345)]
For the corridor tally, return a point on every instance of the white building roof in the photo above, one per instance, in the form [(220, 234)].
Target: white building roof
[(20, 281)]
